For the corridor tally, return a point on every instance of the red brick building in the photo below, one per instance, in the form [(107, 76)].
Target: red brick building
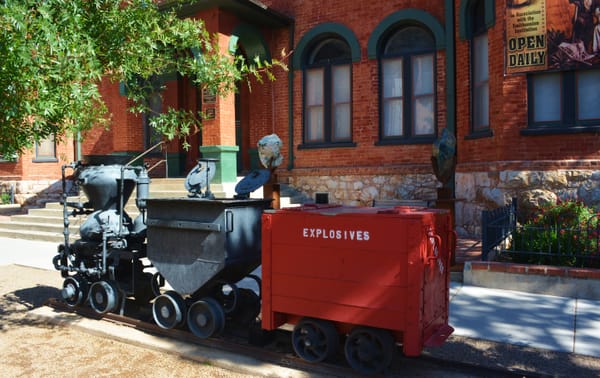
[(370, 89)]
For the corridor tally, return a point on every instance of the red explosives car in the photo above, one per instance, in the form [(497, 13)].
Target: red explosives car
[(373, 276)]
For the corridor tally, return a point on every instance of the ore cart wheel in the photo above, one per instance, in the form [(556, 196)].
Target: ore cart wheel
[(258, 283), (369, 350), (104, 297), (315, 340), (228, 294), (74, 291), (248, 307), (168, 310), (206, 318)]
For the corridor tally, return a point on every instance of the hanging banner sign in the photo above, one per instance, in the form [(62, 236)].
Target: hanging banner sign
[(552, 35), (526, 39)]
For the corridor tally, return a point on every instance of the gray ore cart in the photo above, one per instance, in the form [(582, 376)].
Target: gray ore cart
[(202, 248)]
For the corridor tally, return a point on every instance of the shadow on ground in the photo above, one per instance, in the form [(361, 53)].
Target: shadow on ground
[(15, 305), (519, 359)]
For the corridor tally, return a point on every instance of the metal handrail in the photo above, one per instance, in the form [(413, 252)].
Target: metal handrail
[(158, 163), (122, 183), (144, 153)]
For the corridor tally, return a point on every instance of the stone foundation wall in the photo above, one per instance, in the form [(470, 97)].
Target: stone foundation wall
[(477, 191), (36, 193), (361, 190)]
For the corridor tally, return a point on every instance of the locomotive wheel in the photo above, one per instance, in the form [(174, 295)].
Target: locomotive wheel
[(168, 310), (369, 350), (74, 291), (315, 340), (104, 297), (206, 318)]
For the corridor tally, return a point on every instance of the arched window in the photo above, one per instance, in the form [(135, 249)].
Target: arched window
[(327, 92), (407, 66)]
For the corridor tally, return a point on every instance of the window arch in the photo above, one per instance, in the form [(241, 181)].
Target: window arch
[(327, 91), (465, 24), (407, 85)]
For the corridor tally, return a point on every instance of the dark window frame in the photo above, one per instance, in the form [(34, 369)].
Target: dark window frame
[(478, 28), (45, 158), (328, 94), (568, 122), (408, 135)]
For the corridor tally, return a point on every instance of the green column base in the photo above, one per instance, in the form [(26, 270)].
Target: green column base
[(227, 164)]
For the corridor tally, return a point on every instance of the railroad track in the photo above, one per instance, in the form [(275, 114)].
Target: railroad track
[(278, 350), (231, 341)]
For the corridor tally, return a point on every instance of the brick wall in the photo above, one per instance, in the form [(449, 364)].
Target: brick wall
[(265, 110), (365, 104), (508, 116), (36, 182)]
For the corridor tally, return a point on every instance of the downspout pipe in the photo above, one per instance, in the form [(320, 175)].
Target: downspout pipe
[(78, 147), (291, 101), (451, 78)]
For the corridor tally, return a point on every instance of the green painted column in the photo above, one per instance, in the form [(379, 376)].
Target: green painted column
[(227, 164)]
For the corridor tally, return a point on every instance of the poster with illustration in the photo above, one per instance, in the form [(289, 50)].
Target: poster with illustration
[(552, 35)]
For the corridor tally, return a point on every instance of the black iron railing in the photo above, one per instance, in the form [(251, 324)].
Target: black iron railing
[(540, 244), (496, 227), (557, 245)]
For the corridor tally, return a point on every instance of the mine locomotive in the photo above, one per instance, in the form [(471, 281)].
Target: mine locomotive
[(106, 264), (365, 277)]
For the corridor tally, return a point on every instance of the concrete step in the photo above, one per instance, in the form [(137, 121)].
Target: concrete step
[(38, 219), (51, 237), (46, 212), (167, 184), (46, 224), (168, 194), (37, 226), (57, 212), (130, 208)]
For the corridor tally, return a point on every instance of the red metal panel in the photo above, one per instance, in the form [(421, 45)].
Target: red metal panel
[(268, 316), (359, 266)]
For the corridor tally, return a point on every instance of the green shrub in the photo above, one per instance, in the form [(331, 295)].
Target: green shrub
[(564, 234), (5, 198)]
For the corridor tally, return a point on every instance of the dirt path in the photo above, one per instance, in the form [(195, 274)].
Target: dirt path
[(33, 348)]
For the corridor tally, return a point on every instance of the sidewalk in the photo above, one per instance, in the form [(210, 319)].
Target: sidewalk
[(546, 322)]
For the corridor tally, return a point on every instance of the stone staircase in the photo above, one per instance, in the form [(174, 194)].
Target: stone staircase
[(46, 224)]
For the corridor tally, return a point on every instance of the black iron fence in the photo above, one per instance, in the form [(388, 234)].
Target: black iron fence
[(542, 244), (496, 227)]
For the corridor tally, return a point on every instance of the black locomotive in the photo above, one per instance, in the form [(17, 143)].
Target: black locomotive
[(202, 246)]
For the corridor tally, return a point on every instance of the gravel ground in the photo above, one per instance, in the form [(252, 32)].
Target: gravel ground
[(35, 348), (32, 348)]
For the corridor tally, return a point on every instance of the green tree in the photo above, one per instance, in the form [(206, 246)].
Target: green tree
[(54, 54)]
